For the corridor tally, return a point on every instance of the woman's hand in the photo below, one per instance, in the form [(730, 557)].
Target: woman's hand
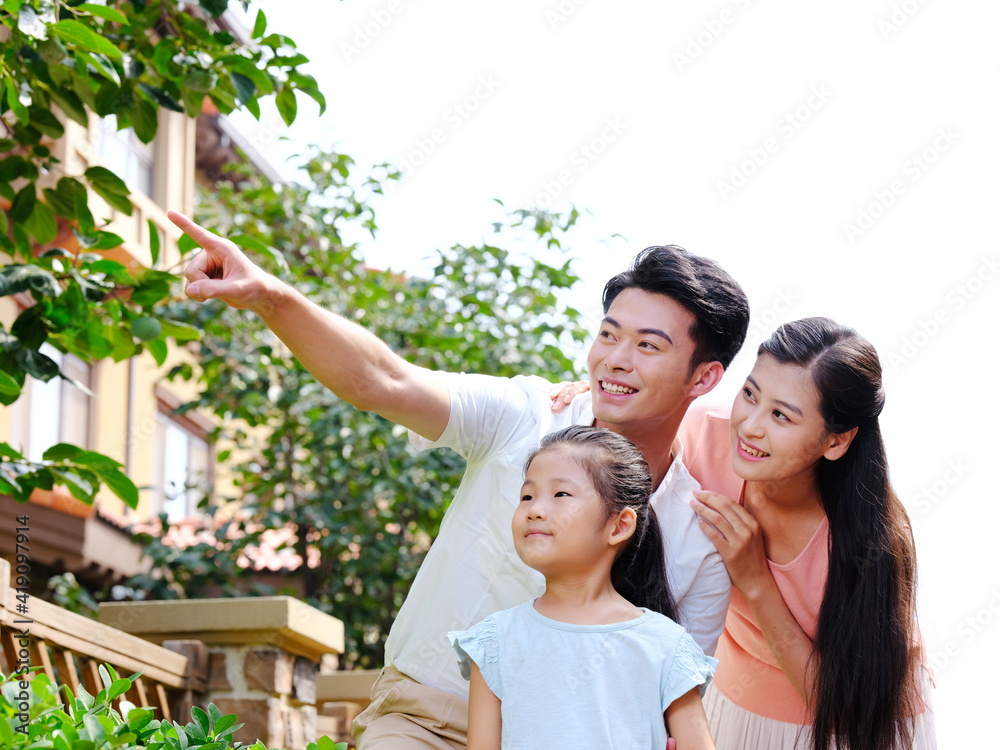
[(738, 538), (562, 395)]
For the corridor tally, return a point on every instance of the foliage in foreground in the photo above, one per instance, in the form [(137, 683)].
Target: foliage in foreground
[(33, 716), (126, 60), (364, 502)]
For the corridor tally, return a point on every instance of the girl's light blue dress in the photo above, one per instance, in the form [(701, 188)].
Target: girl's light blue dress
[(566, 685)]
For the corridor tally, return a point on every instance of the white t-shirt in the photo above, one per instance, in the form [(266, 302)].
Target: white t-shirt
[(472, 569), (566, 685)]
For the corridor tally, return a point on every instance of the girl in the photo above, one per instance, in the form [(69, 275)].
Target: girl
[(820, 648), (596, 660)]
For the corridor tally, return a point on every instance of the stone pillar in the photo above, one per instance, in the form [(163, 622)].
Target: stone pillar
[(264, 654)]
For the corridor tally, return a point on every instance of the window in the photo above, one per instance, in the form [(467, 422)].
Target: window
[(183, 465), (54, 412), (123, 153)]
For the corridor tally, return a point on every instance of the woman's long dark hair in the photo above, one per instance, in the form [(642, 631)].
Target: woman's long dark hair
[(621, 477), (865, 686)]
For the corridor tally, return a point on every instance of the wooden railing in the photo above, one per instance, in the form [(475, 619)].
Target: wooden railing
[(69, 648)]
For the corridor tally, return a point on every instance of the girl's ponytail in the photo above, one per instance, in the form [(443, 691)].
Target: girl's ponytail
[(640, 573)]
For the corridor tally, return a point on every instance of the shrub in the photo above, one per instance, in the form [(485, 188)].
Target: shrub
[(32, 716)]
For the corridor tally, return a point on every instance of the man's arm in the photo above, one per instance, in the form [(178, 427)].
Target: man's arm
[(347, 359)]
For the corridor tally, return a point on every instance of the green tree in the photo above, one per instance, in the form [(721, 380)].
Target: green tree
[(355, 490), (61, 60)]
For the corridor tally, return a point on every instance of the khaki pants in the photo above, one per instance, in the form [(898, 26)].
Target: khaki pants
[(405, 715)]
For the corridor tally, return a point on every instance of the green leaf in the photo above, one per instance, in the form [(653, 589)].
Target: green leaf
[(215, 713), (36, 364), (245, 88), (200, 80), (316, 95), (253, 107), (63, 204), (70, 104), (154, 241), (12, 167), (118, 687), (185, 244), (161, 97), (245, 67), (260, 25), (103, 11), (158, 348), (42, 224), (8, 385), (101, 64), (199, 715), (117, 482), (23, 204), (149, 292), (7, 452), (77, 34), (70, 188), (214, 8), (110, 187), (143, 116), (78, 487), (193, 101), (45, 122), (21, 241), (180, 331), (139, 718), (287, 106), (61, 452), (252, 243), (14, 101), (103, 241)]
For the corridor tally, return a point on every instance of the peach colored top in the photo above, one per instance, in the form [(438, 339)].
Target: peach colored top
[(748, 672)]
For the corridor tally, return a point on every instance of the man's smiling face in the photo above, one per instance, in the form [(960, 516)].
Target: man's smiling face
[(639, 363)]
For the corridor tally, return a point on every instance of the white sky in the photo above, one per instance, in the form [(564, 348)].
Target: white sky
[(645, 111)]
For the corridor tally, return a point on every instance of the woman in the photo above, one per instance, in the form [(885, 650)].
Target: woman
[(821, 647)]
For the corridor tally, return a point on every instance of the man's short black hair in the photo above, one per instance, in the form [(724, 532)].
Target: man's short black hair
[(719, 305)]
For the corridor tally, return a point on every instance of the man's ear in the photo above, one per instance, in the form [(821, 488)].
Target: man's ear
[(839, 443), (705, 377), (623, 528)]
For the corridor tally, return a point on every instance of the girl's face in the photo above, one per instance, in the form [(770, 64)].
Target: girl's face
[(559, 524), (778, 433)]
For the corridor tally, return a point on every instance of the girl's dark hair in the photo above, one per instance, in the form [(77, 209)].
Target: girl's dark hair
[(865, 687), (702, 287), (621, 477)]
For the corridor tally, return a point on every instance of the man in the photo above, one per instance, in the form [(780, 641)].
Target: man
[(671, 326)]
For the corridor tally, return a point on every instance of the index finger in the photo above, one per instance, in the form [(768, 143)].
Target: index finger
[(194, 230), (713, 499)]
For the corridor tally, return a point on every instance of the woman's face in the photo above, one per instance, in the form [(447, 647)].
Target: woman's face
[(777, 431)]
